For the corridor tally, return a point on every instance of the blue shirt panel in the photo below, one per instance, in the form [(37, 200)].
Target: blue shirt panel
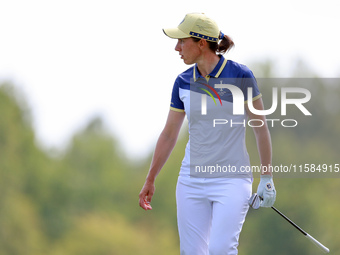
[(237, 74)]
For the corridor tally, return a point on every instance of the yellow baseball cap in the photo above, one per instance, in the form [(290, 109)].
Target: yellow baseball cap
[(196, 25)]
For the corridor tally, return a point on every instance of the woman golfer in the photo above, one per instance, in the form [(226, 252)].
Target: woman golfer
[(215, 181)]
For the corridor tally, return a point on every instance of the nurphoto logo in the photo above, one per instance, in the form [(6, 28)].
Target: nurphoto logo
[(239, 109)]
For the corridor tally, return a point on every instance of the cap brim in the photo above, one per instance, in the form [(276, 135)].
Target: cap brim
[(175, 33)]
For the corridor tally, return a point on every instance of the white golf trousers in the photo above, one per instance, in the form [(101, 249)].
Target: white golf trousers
[(210, 214)]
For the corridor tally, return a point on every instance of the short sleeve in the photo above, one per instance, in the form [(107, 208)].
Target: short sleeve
[(176, 103), (249, 81)]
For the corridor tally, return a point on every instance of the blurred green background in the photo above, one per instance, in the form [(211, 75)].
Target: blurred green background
[(84, 200)]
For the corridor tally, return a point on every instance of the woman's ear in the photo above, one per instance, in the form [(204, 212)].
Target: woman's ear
[(202, 44)]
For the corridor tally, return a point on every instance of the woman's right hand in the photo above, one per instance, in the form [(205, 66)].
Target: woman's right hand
[(166, 142), (146, 194)]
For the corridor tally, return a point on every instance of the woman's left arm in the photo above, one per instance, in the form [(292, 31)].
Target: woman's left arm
[(262, 135), (266, 188)]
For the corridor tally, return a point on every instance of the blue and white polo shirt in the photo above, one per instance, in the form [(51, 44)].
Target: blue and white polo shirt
[(216, 146)]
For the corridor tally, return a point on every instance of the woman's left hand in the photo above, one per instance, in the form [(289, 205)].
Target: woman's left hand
[(266, 190)]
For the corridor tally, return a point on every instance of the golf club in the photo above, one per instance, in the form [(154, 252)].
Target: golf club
[(255, 202)]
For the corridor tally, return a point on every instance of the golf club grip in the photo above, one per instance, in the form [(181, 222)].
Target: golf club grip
[(317, 243)]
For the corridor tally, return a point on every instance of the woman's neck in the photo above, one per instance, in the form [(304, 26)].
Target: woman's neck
[(207, 64)]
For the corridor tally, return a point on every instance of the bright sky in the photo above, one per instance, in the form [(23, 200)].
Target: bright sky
[(75, 59)]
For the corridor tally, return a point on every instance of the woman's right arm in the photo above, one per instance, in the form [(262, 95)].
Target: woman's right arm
[(165, 144)]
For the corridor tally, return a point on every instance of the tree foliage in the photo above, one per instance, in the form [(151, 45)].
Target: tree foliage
[(86, 201)]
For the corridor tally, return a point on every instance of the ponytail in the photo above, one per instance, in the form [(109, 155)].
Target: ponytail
[(222, 47), (225, 44)]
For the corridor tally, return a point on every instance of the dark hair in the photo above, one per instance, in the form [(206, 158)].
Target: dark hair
[(222, 47)]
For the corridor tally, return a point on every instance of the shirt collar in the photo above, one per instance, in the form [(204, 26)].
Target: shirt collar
[(215, 73)]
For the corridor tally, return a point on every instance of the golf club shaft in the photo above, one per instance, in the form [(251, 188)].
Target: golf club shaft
[(291, 222), (312, 239)]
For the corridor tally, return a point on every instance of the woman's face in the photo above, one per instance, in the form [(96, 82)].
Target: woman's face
[(189, 50)]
